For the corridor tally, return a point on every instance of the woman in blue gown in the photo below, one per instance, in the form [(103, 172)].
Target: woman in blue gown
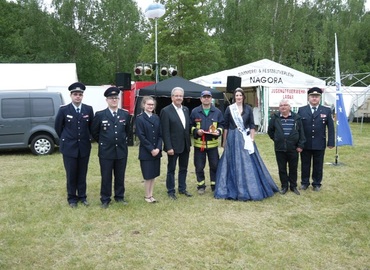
[(241, 173)]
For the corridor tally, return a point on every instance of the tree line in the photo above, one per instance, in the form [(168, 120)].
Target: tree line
[(199, 36)]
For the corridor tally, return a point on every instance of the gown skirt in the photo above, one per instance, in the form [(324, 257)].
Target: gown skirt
[(240, 175)]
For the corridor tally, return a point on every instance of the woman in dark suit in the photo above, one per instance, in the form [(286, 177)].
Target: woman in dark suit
[(148, 130)]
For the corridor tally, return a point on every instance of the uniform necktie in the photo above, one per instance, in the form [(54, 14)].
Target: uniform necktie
[(313, 110), (78, 110), (114, 114)]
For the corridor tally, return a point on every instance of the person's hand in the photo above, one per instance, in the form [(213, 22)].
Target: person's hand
[(330, 147), (299, 150), (155, 152), (200, 132), (170, 152)]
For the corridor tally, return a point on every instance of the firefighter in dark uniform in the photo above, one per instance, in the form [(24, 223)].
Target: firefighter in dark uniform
[(207, 123), (110, 129), (318, 125), (72, 124)]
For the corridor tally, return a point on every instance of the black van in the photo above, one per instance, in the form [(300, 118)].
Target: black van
[(27, 120)]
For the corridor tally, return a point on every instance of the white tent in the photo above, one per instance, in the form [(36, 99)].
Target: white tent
[(262, 73), (51, 78), (272, 82), (36, 76)]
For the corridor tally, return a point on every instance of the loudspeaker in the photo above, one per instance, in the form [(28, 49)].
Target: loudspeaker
[(233, 82), (123, 80)]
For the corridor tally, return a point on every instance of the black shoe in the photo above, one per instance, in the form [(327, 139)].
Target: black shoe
[(187, 194), (316, 188), (201, 191), (85, 202), (303, 187), (105, 205), (295, 190), (73, 205), (122, 201), (283, 191), (172, 196), (213, 188)]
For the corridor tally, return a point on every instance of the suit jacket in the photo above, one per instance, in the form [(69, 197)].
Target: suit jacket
[(74, 130), (111, 133), (148, 130), (284, 143), (317, 127), (174, 135)]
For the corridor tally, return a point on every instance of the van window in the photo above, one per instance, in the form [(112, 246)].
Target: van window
[(42, 107), (14, 107)]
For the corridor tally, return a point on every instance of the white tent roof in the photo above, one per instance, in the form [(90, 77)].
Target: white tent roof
[(262, 73), (36, 76)]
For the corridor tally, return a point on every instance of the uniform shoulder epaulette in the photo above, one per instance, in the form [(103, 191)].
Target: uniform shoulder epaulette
[(140, 114), (63, 105)]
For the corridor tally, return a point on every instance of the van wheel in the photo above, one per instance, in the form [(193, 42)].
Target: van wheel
[(42, 145)]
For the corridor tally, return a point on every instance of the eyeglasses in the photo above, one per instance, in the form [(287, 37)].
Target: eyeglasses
[(150, 104), (113, 98), (206, 96), (78, 94), (178, 96)]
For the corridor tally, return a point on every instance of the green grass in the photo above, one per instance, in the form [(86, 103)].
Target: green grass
[(329, 229)]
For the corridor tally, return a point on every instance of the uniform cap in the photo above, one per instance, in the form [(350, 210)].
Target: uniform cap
[(111, 91), (314, 91), (77, 87)]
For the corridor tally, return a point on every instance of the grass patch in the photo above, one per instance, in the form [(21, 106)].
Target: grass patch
[(317, 230)]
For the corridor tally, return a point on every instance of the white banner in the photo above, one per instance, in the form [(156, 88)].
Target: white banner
[(297, 97)]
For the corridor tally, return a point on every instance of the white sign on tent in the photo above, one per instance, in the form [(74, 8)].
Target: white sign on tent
[(262, 73)]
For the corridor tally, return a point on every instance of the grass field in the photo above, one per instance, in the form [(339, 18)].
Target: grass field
[(329, 229)]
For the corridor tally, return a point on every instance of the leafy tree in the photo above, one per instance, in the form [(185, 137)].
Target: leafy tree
[(183, 39)]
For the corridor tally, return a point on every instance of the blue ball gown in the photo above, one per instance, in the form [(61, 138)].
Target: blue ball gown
[(240, 175)]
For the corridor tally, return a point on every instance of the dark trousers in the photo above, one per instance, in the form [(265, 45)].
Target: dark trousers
[(183, 170), (287, 161), (317, 159), (76, 170), (108, 167), (200, 158)]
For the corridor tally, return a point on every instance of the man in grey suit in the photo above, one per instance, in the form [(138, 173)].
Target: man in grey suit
[(175, 123)]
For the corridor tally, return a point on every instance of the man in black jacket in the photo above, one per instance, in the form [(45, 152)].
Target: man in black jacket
[(110, 128), (73, 126), (286, 130), (175, 123)]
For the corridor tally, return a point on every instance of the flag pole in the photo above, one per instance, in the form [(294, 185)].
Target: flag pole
[(343, 130)]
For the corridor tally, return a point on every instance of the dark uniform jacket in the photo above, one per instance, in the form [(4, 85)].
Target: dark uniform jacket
[(111, 133), (198, 120), (148, 130), (315, 127), (286, 143), (73, 130), (174, 135)]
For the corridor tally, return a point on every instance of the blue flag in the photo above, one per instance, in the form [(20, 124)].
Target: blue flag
[(344, 135)]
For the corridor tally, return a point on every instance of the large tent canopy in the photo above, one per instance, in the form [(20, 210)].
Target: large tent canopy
[(164, 88), (261, 73), (192, 91), (266, 84)]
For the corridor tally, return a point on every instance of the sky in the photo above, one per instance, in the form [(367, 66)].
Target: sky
[(143, 4)]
